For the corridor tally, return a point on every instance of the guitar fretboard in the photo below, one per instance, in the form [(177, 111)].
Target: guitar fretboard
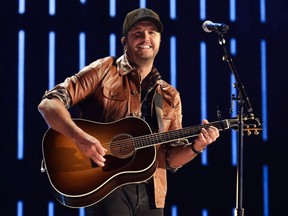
[(174, 135)]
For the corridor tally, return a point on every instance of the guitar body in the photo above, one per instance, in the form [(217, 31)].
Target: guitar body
[(77, 181)]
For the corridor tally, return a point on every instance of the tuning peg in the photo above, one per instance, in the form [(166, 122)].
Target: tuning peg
[(256, 132)]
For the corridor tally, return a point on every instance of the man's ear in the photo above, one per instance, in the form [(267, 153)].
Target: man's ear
[(123, 41)]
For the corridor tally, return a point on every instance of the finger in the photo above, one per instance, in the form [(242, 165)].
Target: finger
[(202, 137), (96, 154), (99, 148), (214, 131), (205, 133), (99, 163), (205, 121), (102, 151), (98, 159), (212, 134)]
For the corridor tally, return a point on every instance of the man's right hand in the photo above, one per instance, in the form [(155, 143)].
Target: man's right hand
[(92, 148)]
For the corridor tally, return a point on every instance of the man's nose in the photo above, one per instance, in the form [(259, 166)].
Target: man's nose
[(146, 36)]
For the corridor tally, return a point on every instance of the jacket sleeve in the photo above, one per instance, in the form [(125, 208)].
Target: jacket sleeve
[(77, 87), (171, 119)]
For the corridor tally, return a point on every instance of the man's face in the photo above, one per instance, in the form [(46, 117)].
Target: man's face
[(143, 42)]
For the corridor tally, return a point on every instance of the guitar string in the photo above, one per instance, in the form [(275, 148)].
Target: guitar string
[(163, 137), (148, 140)]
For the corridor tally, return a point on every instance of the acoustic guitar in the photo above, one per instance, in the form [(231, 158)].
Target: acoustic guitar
[(131, 158)]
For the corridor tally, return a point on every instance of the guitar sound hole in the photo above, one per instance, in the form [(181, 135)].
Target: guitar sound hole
[(122, 146)]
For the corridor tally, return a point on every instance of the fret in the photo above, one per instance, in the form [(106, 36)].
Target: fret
[(170, 136)]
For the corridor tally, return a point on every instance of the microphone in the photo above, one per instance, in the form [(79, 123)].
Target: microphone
[(219, 28)]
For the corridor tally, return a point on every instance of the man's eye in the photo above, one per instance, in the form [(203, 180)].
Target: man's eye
[(137, 34)]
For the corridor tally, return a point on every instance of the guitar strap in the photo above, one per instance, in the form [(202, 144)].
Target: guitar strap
[(159, 110)]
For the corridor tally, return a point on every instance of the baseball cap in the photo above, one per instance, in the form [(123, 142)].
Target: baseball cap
[(138, 15)]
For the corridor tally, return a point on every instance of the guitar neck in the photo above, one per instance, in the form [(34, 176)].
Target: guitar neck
[(174, 135)]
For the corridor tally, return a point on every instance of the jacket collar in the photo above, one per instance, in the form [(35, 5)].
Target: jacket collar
[(124, 68), (123, 65)]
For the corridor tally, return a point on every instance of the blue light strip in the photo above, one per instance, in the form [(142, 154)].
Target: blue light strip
[(21, 91), (233, 50), (112, 45), (20, 208), (142, 3), (173, 62), (232, 10), (21, 9), (234, 148), (174, 210), (82, 50), (233, 47), (81, 212), (83, 1), (202, 9), (52, 7), (112, 9), (265, 191), (233, 114), (173, 9), (263, 11), (51, 209), (51, 66), (203, 91), (204, 212), (264, 91)]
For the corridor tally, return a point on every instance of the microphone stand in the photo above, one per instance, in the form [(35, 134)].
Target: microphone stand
[(242, 100)]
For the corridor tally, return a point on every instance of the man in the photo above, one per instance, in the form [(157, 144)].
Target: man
[(110, 89)]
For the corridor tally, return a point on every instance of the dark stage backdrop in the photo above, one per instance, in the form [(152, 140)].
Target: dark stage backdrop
[(32, 31)]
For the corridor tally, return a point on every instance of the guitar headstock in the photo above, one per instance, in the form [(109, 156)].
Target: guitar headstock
[(251, 125)]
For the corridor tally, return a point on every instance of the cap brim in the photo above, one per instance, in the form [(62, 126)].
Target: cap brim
[(157, 23)]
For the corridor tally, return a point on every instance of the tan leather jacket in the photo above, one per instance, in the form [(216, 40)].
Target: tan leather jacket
[(108, 90)]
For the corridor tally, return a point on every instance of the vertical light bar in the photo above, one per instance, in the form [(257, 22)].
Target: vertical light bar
[(263, 11), (173, 9), (174, 210), (51, 66), (21, 8), (265, 191), (233, 114), (52, 7), (234, 148), (112, 8), (233, 46), (233, 51), (203, 90), (264, 91), (21, 76), (50, 209), (204, 212), (202, 9), (232, 10), (81, 212), (112, 45), (20, 208), (173, 61), (142, 3), (82, 50)]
